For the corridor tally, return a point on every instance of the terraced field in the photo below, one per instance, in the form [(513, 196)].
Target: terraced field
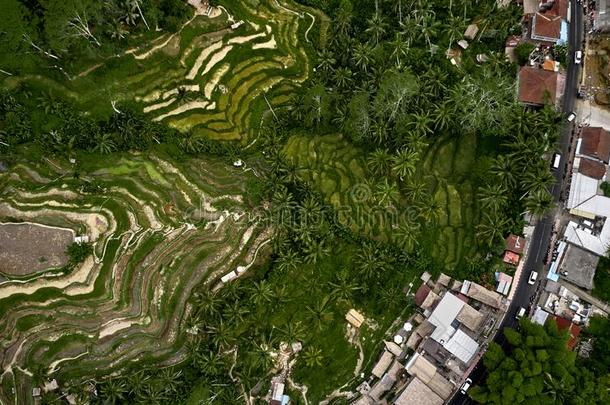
[(159, 229), (214, 77), (339, 171)]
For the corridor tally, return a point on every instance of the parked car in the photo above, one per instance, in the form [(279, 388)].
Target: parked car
[(466, 385), (533, 278), (571, 116), (556, 161), (578, 57), (520, 313)]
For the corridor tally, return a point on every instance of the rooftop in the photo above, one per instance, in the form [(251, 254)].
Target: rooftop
[(582, 188), (580, 265), (515, 243), (511, 258), (595, 143), (590, 168), (537, 86), (383, 364), (573, 330), (470, 317), (546, 28), (443, 316), (416, 392), (481, 294), (421, 294), (354, 317), (421, 368), (462, 346)]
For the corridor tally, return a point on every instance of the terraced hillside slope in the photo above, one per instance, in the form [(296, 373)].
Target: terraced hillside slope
[(213, 77), (158, 229)]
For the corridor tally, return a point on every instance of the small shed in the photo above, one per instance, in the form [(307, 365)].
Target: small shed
[(471, 31), (463, 43), (511, 258), (354, 318), (515, 244)]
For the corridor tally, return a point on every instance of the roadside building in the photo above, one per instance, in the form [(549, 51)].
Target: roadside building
[(421, 368), (504, 283), (511, 258), (540, 316), (515, 243), (573, 330), (382, 364), (548, 29), (601, 20), (479, 293), (595, 143), (578, 267), (538, 87), (590, 167), (416, 392), (421, 294)]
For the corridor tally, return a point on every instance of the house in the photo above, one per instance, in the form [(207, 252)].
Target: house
[(471, 32), (36, 392), (515, 244), (277, 394), (470, 317), (416, 392), (578, 267), (548, 29), (564, 324), (50, 386), (354, 318), (447, 332), (421, 294), (479, 293), (601, 21), (463, 43), (511, 258), (382, 365), (421, 368), (539, 86), (504, 283), (540, 316), (590, 168), (595, 143)]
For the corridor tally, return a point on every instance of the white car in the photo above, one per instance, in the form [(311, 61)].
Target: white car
[(533, 278), (466, 385), (578, 57), (556, 161), (571, 116), (520, 313)]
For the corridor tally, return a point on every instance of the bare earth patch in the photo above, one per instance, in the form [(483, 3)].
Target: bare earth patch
[(28, 248)]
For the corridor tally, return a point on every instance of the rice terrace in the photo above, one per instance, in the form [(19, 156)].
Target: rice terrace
[(244, 201)]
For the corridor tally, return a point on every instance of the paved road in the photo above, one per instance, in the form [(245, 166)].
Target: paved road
[(540, 240)]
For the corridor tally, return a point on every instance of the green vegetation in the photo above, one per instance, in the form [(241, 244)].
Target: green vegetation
[(367, 157), (601, 281), (78, 252), (523, 51), (539, 369)]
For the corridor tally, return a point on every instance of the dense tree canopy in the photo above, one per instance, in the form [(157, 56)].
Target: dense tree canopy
[(539, 369)]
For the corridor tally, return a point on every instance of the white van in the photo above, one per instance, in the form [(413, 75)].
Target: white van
[(533, 278), (466, 385), (571, 116), (556, 161), (520, 313), (578, 57)]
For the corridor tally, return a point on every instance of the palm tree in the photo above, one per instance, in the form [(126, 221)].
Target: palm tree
[(236, 312), (443, 116), (343, 287), (222, 334), (370, 264), (209, 363), (288, 261), (454, 27), (491, 229), (380, 162), (170, 381), (362, 56), (502, 168), (422, 123), (292, 331), (399, 47), (343, 77), (537, 180), (113, 390), (206, 303), (262, 357), (493, 196), (406, 235), (539, 203), (416, 189), (386, 193), (320, 313), (326, 60), (313, 357), (404, 163), (261, 292), (137, 384), (376, 26), (315, 251), (428, 28), (431, 211)]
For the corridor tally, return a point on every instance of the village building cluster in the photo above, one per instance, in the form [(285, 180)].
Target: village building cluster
[(433, 352)]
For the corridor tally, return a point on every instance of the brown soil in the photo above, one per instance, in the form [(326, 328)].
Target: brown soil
[(26, 248)]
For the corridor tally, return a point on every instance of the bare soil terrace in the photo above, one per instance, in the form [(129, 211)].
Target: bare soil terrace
[(27, 248)]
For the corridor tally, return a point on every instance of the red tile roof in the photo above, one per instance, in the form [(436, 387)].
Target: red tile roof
[(573, 330), (595, 143), (546, 27), (511, 258), (592, 168), (535, 83), (515, 243), (421, 294)]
